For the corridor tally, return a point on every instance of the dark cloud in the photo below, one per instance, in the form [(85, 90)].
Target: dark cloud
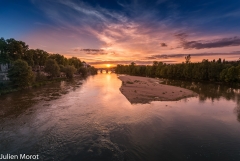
[(75, 49), (213, 44), (163, 45), (147, 62), (92, 50), (96, 53), (181, 36), (201, 44), (164, 56), (158, 56)]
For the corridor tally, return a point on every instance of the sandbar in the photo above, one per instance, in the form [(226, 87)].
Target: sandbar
[(144, 90)]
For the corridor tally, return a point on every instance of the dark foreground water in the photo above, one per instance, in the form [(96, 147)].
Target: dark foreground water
[(91, 120)]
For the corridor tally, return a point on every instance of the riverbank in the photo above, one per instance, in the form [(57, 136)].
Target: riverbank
[(7, 88), (144, 90)]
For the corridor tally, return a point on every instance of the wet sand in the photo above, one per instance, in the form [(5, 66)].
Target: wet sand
[(144, 90)]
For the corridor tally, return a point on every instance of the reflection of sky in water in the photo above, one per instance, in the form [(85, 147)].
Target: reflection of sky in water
[(95, 121)]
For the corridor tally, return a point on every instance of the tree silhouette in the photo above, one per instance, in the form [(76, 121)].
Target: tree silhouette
[(188, 59)]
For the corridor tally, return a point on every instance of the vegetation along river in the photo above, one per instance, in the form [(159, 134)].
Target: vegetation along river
[(92, 120)]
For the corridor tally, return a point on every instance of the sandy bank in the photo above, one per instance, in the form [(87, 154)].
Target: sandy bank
[(144, 90)]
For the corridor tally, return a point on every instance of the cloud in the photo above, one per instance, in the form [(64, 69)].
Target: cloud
[(124, 33), (97, 53), (92, 50), (163, 45), (127, 62), (202, 44), (164, 56), (134, 32), (88, 50), (213, 44), (181, 36)]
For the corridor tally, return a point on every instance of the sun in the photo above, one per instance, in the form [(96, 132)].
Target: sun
[(108, 65)]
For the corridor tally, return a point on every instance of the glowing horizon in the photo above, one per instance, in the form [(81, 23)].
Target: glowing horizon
[(119, 32)]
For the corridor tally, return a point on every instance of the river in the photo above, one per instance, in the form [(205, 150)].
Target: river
[(90, 119)]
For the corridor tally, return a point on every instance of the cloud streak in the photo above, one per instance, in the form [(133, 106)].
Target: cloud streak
[(97, 53), (164, 56), (127, 62), (201, 44), (92, 50)]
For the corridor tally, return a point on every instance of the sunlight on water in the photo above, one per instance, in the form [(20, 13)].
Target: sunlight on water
[(91, 120)]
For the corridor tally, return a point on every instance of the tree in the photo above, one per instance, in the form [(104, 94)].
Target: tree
[(75, 62), (132, 68), (40, 57), (52, 68), (16, 49), (3, 45), (188, 59), (231, 75), (59, 58), (20, 74), (28, 57), (83, 71), (69, 71), (4, 57)]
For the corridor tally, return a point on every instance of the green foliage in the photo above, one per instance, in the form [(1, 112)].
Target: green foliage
[(58, 58), (223, 71), (62, 68), (92, 70), (16, 49), (75, 62), (12, 50), (28, 57), (4, 57), (52, 68), (40, 57), (69, 71), (82, 71), (21, 74), (40, 77), (230, 74)]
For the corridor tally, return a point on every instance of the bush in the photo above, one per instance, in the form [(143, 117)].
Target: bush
[(20, 74), (52, 68), (82, 71), (40, 77), (69, 71)]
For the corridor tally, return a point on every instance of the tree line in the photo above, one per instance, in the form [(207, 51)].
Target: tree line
[(35, 65), (214, 71)]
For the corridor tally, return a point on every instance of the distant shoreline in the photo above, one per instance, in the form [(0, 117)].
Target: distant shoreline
[(144, 90)]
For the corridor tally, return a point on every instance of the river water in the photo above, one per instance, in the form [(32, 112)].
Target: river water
[(91, 120)]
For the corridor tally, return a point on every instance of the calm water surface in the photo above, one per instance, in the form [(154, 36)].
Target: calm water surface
[(91, 120)]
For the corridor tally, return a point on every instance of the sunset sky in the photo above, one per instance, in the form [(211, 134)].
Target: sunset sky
[(114, 32)]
